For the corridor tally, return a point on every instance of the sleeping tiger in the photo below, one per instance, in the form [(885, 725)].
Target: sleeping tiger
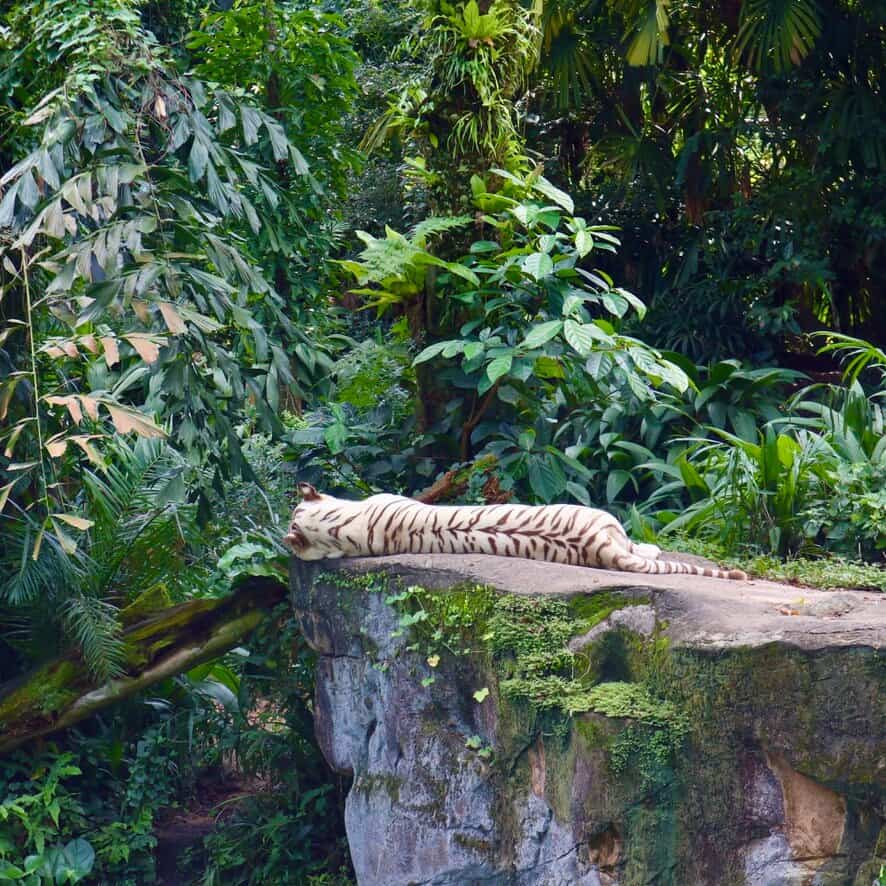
[(327, 527)]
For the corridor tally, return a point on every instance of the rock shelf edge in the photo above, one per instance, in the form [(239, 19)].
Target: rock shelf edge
[(733, 733)]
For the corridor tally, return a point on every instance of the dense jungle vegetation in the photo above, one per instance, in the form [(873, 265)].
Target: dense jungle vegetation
[(625, 253)]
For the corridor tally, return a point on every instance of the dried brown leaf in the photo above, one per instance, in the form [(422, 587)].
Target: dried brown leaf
[(172, 318), (84, 442), (89, 342), (148, 349), (126, 420), (71, 402), (90, 404), (142, 310), (112, 352), (56, 446)]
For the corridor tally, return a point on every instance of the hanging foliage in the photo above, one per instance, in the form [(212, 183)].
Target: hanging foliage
[(131, 302)]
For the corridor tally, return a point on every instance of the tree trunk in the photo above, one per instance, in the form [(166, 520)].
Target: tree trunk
[(62, 692)]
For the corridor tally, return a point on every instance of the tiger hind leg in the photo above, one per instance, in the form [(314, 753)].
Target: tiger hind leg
[(647, 552)]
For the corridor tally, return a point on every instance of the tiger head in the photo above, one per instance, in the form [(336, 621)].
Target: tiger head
[(309, 537)]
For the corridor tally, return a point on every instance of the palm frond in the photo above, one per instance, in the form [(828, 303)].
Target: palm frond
[(565, 56), (777, 34), (856, 354), (140, 528), (648, 35), (27, 581)]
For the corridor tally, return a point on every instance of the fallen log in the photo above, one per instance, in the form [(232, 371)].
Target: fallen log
[(61, 692)]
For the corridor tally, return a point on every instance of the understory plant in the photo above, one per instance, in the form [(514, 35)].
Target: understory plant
[(533, 331), (812, 479)]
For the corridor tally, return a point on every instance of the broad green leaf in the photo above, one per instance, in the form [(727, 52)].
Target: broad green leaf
[(197, 159), (695, 483), (250, 120), (499, 367), (452, 348), (579, 493), (336, 436), (546, 477), (584, 243), (541, 333), (80, 858), (548, 367), (561, 198), (430, 352), (632, 299), (538, 265), (615, 482), (583, 336), (482, 246), (473, 349)]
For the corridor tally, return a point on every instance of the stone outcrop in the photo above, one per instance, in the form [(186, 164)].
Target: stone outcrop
[(644, 729)]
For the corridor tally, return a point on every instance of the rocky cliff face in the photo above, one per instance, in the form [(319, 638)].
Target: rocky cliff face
[(513, 722)]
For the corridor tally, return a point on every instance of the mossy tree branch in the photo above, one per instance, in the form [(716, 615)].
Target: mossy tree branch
[(61, 692)]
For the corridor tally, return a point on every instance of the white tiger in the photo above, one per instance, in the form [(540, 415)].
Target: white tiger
[(326, 527)]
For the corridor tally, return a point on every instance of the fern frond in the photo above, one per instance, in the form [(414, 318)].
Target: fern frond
[(436, 224), (93, 625), (381, 259)]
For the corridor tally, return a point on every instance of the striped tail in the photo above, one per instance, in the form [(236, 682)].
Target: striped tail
[(635, 563)]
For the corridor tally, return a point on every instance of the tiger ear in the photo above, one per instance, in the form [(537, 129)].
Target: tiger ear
[(307, 492)]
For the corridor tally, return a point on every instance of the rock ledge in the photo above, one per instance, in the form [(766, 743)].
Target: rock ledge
[(778, 778)]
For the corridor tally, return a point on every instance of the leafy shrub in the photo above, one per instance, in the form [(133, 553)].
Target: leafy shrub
[(536, 325), (38, 814), (852, 520), (290, 830)]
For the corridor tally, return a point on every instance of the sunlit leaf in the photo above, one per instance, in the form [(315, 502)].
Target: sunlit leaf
[(69, 546), (538, 265), (499, 367), (4, 495), (112, 352), (77, 522)]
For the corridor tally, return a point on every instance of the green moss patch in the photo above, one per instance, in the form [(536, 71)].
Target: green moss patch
[(148, 603)]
